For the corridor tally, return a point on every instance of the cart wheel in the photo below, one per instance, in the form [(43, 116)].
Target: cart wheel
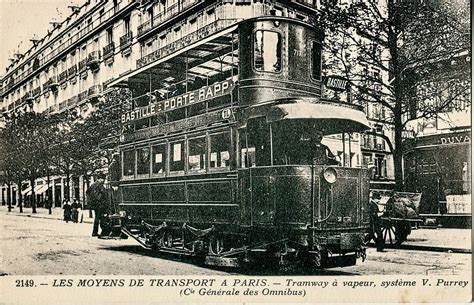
[(395, 234)]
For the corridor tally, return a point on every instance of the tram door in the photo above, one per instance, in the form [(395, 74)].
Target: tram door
[(256, 184)]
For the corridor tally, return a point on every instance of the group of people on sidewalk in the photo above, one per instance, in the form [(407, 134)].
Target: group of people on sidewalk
[(72, 211)]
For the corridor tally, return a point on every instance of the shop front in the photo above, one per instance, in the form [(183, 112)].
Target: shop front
[(439, 166)]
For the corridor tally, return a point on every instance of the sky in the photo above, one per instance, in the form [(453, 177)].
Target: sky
[(20, 20)]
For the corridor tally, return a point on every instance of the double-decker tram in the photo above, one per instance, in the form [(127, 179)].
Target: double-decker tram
[(217, 160)]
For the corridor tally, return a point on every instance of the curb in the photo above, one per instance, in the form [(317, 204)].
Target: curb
[(88, 220)]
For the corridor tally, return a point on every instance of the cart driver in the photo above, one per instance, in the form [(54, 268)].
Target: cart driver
[(321, 153), (375, 223)]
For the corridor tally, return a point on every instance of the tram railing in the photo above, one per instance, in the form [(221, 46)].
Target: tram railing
[(195, 36)]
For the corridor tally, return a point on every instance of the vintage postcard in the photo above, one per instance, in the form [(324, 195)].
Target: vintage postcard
[(235, 151)]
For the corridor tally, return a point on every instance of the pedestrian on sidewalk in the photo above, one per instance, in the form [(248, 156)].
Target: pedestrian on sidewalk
[(67, 210), (75, 210)]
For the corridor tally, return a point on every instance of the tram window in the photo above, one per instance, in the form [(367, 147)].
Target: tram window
[(197, 155), (255, 144), (129, 163), (159, 159), (143, 161), (316, 60), (177, 156), (267, 51), (248, 157), (220, 148)]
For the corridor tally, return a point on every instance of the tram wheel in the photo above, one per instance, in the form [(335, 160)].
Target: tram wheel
[(167, 239), (216, 245)]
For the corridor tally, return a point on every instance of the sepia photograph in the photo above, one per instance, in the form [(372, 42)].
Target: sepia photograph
[(248, 150)]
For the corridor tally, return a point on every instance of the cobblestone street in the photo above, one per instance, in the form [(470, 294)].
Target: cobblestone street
[(40, 246)]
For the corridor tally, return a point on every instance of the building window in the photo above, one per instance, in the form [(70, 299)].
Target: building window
[(126, 25), (267, 51), (316, 60), (197, 155), (159, 159), (110, 36), (220, 148)]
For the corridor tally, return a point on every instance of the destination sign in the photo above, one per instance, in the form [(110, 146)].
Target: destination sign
[(193, 97), (336, 83)]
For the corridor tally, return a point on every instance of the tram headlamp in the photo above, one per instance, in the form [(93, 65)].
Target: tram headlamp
[(330, 175)]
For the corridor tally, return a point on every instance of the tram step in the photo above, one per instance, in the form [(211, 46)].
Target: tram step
[(221, 261)]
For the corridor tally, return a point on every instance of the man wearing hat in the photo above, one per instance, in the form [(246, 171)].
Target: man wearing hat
[(375, 223)]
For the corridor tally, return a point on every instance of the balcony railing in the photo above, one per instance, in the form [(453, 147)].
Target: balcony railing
[(71, 41), (53, 82), (47, 84), (26, 97), (93, 59), (72, 71), (72, 101), (94, 91), (83, 65), (35, 92), (62, 77), (158, 19), (203, 32), (82, 96), (126, 40), (62, 105), (108, 50), (373, 146)]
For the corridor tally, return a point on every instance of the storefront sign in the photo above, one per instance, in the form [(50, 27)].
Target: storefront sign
[(183, 100), (451, 138), (454, 139), (336, 82)]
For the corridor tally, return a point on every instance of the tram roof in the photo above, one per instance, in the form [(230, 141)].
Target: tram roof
[(330, 117)]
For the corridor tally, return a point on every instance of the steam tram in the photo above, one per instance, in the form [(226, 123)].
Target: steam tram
[(217, 162)]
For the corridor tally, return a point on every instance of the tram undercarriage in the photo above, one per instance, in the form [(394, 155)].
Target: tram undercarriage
[(239, 247)]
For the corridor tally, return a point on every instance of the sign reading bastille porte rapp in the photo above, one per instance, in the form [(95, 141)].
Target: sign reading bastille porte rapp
[(183, 100)]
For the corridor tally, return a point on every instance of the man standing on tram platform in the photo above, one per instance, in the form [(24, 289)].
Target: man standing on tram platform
[(321, 154), (97, 201)]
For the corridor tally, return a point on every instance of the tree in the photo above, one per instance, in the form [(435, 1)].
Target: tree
[(79, 150), (404, 41), (26, 137)]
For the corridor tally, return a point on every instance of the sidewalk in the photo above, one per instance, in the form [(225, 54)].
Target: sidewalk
[(440, 237), (56, 213)]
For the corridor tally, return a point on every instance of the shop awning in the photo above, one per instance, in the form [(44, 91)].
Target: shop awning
[(40, 189), (26, 191), (329, 117)]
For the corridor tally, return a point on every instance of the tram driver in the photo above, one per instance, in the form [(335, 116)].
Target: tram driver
[(321, 154)]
